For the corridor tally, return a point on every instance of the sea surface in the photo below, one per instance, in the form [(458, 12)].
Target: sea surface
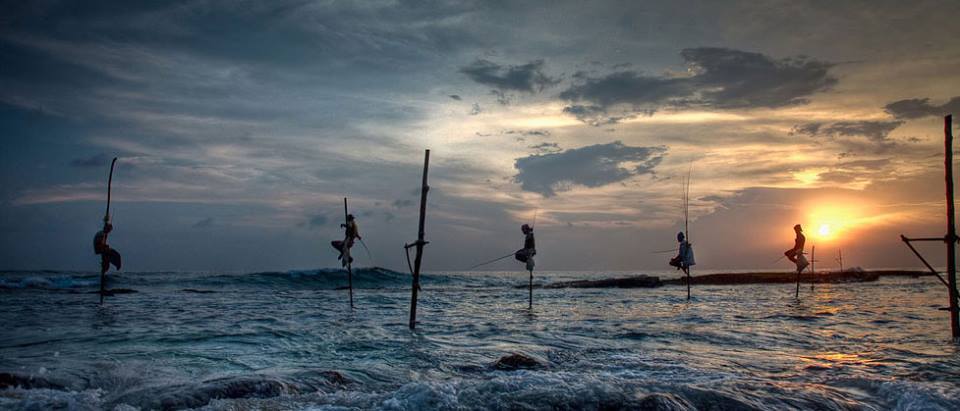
[(289, 340)]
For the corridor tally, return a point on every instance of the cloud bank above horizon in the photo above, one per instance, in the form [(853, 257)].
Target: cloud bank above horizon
[(241, 126)]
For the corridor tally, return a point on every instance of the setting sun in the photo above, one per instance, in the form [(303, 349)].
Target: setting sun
[(824, 231)]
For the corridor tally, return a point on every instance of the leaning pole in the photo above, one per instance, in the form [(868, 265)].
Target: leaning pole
[(424, 188), (346, 253), (106, 219)]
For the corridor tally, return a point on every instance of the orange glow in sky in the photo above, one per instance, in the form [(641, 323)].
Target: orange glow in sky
[(830, 222)]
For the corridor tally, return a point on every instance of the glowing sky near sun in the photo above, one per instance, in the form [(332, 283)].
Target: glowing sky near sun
[(241, 127)]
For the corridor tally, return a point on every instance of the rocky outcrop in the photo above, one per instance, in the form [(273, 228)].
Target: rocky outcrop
[(516, 362)]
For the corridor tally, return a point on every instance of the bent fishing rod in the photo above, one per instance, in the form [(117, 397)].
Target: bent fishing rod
[(369, 255), (490, 262)]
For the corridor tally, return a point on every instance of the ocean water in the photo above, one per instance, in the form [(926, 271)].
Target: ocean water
[(288, 340)]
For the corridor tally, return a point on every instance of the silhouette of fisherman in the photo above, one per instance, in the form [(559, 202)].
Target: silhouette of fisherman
[(684, 258), (107, 255), (525, 255), (351, 234), (795, 254)]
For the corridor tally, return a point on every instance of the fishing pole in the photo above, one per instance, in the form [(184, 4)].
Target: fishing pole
[(489, 262), (370, 256), (663, 251)]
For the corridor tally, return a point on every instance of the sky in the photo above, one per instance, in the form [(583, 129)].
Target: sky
[(240, 126)]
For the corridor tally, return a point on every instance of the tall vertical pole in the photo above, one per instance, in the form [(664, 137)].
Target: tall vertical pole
[(813, 266), (420, 243), (531, 289), (951, 238), (346, 252), (798, 283), (106, 220), (840, 259)]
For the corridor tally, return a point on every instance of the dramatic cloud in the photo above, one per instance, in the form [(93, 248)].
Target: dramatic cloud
[(547, 148), (876, 131), (920, 107), (528, 77), (456, 97), (590, 166), (721, 78)]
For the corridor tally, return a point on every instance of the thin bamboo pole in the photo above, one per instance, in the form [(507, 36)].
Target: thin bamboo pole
[(346, 252), (951, 237), (424, 188)]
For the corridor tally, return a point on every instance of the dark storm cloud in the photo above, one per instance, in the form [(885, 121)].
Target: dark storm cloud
[(722, 79), (528, 77), (456, 97), (547, 147), (920, 107), (876, 131), (590, 166), (205, 223)]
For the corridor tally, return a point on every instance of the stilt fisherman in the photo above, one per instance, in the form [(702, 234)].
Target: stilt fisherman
[(684, 258), (795, 254), (351, 234), (107, 255), (525, 255)]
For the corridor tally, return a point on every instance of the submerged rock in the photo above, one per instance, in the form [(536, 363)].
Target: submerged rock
[(8, 380), (516, 362), (115, 291), (664, 402)]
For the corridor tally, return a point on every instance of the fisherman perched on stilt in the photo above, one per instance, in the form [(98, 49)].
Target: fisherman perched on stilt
[(684, 258), (525, 255), (107, 255), (795, 254), (352, 233)]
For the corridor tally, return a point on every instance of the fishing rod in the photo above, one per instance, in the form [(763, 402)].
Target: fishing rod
[(370, 256), (490, 262)]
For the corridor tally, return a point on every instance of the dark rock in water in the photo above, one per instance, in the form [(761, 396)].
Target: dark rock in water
[(640, 281), (115, 291), (197, 395), (334, 377), (664, 402), (195, 291), (516, 362), (8, 380)]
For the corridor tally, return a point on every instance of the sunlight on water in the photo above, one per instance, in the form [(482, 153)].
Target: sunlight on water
[(288, 340)]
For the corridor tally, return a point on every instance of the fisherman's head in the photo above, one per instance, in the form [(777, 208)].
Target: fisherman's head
[(526, 228), (680, 237), (349, 217), (797, 228), (107, 227)]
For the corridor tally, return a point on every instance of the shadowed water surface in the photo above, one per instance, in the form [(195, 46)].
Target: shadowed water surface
[(288, 340)]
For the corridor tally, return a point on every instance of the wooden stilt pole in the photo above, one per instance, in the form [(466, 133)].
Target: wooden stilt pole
[(346, 253), (424, 188), (106, 220), (951, 237), (798, 284), (531, 289), (840, 258), (813, 266)]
